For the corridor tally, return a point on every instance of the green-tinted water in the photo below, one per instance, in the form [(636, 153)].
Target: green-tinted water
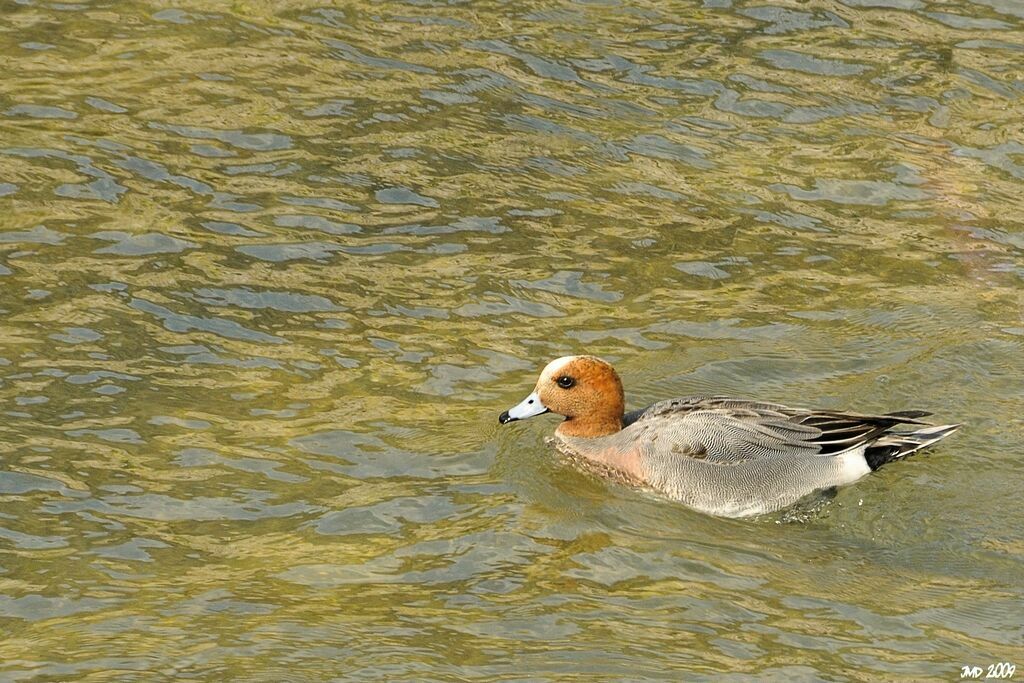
[(269, 272)]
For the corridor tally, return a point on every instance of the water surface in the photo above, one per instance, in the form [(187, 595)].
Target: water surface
[(269, 272)]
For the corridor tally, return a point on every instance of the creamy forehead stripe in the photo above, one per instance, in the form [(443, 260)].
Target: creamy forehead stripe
[(555, 366)]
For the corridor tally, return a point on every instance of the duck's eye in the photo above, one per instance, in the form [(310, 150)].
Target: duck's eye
[(565, 382)]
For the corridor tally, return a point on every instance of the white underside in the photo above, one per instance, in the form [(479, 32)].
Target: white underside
[(855, 465)]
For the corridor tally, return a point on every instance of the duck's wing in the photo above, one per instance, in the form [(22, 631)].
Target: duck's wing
[(727, 431)]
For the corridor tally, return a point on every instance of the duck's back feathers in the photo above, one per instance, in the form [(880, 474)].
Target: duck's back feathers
[(738, 457), (727, 423)]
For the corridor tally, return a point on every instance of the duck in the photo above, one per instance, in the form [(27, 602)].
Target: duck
[(729, 457)]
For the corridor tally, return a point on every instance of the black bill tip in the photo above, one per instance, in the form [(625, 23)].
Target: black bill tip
[(505, 418)]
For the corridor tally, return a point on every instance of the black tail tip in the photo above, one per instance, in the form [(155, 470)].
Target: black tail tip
[(911, 414), (898, 445)]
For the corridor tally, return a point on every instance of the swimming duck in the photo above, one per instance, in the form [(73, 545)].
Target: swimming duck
[(722, 456)]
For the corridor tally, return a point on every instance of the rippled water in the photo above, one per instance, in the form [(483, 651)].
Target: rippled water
[(269, 272)]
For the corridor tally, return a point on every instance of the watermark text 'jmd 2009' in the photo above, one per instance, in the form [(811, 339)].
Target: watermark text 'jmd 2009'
[(999, 670)]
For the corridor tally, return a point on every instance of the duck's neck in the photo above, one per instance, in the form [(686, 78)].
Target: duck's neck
[(590, 427)]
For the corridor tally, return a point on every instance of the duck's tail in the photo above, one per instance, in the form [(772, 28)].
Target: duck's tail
[(896, 445)]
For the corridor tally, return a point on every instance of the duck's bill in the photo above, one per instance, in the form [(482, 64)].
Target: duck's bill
[(529, 407)]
